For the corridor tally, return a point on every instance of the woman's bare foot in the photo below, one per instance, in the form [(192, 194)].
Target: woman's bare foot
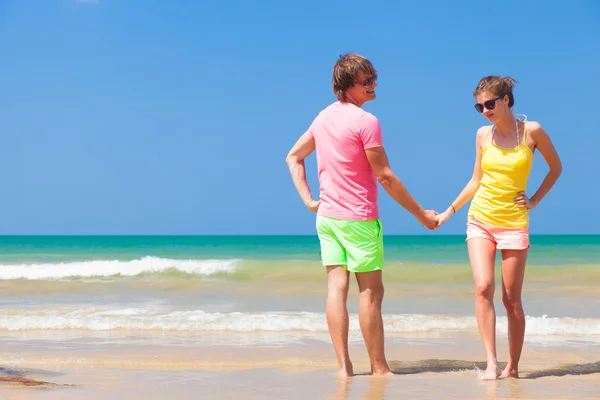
[(382, 373), (490, 373), (509, 373), (346, 370), (381, 369)]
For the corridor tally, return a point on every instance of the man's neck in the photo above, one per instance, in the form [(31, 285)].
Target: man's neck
[(351, 100)]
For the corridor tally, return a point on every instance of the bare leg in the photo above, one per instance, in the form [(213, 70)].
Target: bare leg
[(482, 254), (513, 273), (370, 286), (337, 316)]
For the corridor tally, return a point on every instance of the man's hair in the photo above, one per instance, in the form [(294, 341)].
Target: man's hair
[(497, 86), (345, 72)]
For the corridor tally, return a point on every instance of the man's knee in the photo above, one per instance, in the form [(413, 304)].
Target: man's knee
[(337, 281), (339, 287), (373, 293)]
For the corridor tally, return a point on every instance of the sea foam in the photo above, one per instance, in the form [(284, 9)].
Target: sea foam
[(113, 268), (136, 319)]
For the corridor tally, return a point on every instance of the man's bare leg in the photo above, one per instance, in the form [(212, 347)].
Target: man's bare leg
[(513, 273), (370, 286), (337, 316)]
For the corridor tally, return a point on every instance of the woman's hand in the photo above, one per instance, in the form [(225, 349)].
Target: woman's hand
[(443, 217), (524, 202)]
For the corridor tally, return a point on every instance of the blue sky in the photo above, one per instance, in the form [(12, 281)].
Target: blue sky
[(175, 117)]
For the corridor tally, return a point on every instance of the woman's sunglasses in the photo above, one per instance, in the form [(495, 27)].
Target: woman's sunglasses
[(490, 104)]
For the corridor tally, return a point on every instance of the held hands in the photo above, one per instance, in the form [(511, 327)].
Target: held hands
[(436, 220)]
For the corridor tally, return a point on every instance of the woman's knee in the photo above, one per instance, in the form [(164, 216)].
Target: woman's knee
[(484, 289), (512, 302)]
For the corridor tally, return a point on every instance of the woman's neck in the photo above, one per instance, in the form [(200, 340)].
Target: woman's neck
[(506, 125)]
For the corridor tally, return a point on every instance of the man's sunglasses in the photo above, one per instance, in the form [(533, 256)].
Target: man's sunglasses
[(490, 104), (368, 82)]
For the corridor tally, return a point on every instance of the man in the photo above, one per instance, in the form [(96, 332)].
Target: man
[(351, 159)]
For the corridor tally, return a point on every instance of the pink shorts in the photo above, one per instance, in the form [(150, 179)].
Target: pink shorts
[(504, 238)]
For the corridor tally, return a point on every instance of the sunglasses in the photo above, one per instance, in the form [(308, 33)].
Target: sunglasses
[(368, 82), (490, 104)]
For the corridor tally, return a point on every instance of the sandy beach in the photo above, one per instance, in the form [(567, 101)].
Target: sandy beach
[(425, 366)]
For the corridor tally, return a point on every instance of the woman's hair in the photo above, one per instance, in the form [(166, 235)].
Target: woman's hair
[(499, 86)]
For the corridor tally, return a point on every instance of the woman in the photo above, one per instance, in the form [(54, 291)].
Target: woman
[(499, 213)]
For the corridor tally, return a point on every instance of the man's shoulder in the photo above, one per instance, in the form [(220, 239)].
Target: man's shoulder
[(361, 118), (368, 123), (368, 118), (327, 110)]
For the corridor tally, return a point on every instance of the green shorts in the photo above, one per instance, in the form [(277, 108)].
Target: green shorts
[(358, 245)]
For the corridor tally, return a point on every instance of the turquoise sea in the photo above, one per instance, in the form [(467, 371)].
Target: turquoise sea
[(122, 286), (444, 249)]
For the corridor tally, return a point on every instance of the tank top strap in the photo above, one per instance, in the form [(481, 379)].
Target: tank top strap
[(523, 119), (490, 135)]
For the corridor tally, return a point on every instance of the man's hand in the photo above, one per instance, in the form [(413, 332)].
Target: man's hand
[(429, 219), (313, 205)]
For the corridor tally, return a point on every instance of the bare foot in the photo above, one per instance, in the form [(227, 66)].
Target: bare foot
[(346, 370), (490, 373), (382, 369), (509, 373), (383, 372)]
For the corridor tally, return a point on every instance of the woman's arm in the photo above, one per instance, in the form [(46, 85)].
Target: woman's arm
[(471, 187), (544, 145)]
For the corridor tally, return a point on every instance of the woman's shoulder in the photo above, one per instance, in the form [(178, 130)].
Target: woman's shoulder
[(483, 133), (482, 136), (484, 130), (533, 125), (535, 129)]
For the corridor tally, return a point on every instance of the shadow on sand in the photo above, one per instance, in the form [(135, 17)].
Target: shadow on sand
[(569, 369), (434, 365)]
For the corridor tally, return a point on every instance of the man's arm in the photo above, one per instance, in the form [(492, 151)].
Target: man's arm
[(393, 185), (295, 161)]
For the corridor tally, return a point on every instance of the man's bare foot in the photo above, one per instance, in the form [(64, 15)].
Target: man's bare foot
[(509, 373), (490, 373), (346, 370)]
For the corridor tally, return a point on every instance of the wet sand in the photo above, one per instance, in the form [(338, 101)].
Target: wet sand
[(425, 366)]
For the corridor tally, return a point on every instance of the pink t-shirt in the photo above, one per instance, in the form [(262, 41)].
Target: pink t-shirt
[(348, 187)]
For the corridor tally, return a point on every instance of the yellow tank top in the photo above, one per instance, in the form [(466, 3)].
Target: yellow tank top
[(505, 173)]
